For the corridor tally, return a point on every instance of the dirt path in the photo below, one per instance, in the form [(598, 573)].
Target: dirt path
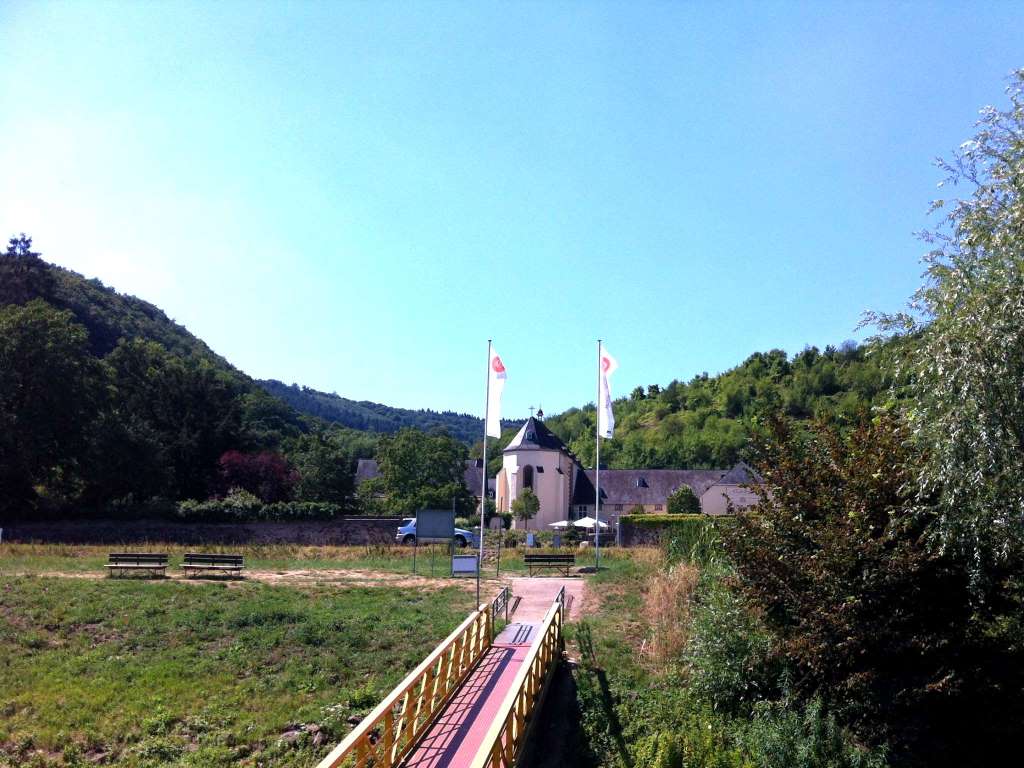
[(535, 594), (298, 577)]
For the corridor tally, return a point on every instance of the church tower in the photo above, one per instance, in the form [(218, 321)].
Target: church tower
[(537, 459)]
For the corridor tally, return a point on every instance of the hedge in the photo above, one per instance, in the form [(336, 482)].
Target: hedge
[(233, 511)]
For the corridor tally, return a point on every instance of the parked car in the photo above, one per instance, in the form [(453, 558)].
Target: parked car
[(407, 535)]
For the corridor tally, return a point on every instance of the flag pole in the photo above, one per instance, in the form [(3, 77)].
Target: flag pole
[(483, 470), (597, 467)]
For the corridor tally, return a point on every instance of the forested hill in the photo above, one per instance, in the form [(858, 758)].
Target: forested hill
[(107, 403), (107, 315), (371, 416), (707, 422)]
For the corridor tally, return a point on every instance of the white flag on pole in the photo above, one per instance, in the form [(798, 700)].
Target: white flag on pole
[(495, 383), (605, 417)]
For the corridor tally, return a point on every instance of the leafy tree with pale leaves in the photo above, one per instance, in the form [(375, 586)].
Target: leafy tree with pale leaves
[(967, 373)]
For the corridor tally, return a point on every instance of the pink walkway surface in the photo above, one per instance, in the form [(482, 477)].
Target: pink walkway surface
[(458, 733)]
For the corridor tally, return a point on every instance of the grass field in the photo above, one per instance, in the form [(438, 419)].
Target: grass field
[(139, 673), (153, 673)]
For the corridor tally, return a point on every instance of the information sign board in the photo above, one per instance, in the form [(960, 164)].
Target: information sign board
[(435, 524), (465, 565)]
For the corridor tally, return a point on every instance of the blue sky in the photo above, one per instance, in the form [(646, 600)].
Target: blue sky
[(356, 196)]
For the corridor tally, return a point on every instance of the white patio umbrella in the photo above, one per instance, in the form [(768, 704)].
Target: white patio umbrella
[(559, 524), (588, 522)]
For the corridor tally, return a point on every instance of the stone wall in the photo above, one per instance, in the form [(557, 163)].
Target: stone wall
[(348, 530)]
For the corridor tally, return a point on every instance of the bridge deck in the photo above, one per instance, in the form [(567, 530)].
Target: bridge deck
[(459, 731)]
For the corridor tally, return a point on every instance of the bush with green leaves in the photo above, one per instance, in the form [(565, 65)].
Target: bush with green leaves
[(240, 506), (525, 507), (729, 657), (682, 501), (788, 734), (868, 617)]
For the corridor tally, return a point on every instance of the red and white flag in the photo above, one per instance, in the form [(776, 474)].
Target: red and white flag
[(605, 417), (495, 385)]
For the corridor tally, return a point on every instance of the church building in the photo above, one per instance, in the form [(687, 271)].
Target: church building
[(536, 458)]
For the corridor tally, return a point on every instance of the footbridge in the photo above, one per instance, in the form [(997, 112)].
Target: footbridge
[(471, 702)]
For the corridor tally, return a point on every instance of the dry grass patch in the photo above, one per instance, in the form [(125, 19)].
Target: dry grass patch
[(668, 597)]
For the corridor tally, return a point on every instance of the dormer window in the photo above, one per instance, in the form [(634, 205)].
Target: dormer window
[(540, 470), (531, 436), (641, 482)]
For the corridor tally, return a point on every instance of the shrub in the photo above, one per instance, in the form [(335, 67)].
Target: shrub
[(729, 654), (877, 625), (517, 537), (242, 507), (789, 735), (693, 538), (683, 501)]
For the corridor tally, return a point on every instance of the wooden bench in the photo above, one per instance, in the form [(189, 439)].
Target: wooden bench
[(195, 562), (558, 562), (127, 562)]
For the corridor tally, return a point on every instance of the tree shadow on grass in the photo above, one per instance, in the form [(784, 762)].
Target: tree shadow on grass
[(605, 701), (558, 739), (579, 694)]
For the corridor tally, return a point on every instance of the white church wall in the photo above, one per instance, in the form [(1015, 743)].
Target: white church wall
[(550, 485)]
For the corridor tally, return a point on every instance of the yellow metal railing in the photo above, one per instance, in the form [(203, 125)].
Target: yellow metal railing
[(504, 742), (386, 736)]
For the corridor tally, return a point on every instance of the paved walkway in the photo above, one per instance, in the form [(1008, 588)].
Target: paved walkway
[(459, 731), (536, 594)]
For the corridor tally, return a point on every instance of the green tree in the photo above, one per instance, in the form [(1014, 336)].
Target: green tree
[(423, 470), (188, 407), (494, 449), (967, 375), (267, 422), (866, 614), (49, 391), (23, 275), (526, 506), (683, 501), (326, 470)]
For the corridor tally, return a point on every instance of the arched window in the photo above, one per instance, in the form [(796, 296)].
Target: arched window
[(527, 477)]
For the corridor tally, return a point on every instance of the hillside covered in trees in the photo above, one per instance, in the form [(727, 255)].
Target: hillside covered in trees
[(105, 403), (374, 417), (708, 421)]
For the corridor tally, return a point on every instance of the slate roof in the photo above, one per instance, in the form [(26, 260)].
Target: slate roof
[(621, 486), (367, 469), (472, 477), (534, 436), (742, 474)]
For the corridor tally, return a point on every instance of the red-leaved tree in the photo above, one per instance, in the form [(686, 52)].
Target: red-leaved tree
[(265, 474)]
